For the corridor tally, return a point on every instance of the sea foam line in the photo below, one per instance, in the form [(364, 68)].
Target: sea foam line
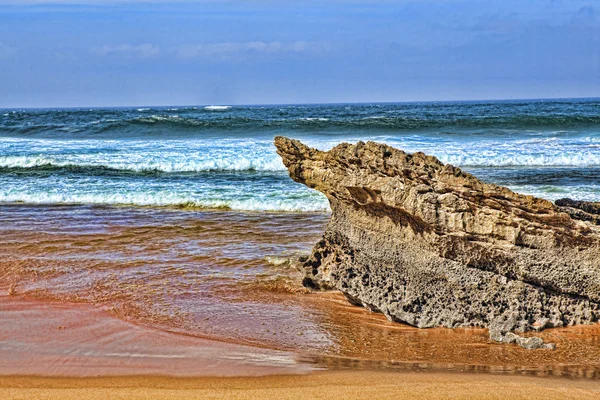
[(206, 162), (579, 159), (146, 164), (313, 203)]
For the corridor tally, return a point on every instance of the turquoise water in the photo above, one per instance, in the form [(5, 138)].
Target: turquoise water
[(223, 156)]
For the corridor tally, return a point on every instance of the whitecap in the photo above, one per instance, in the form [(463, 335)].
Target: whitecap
[(313, 119), (217, 108), (213, 161), (512, 159), (153, 198)]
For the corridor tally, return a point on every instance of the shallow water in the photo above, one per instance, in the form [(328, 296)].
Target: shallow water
[(80, 340), (223, 275)]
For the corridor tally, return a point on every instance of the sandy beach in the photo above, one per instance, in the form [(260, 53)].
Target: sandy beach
[(75, 351), (108, 325), (323, 385)]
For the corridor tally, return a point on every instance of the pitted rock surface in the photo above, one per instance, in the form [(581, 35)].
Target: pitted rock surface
[(429, 245)]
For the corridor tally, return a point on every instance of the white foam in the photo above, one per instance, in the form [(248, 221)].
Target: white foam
[(313, 119), (277, 260), (137, 163), (159, 118), (572, 159), (311, 203), (217, 108)]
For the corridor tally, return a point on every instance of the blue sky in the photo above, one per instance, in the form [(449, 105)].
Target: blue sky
[(95, 53)]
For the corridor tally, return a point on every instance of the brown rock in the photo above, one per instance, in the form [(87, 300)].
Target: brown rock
[(430, 245)]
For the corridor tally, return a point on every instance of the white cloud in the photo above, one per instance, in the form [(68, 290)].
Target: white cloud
[(140, 51), (229, 50)]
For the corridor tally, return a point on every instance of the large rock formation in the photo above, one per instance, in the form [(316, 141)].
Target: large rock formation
[(430, 245)]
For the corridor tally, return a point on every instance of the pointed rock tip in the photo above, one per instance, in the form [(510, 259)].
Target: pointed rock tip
[(292, 150)]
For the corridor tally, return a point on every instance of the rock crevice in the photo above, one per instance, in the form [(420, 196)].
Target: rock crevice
[(430, 245)]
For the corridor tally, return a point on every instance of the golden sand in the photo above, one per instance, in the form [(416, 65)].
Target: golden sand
[(327, 385)]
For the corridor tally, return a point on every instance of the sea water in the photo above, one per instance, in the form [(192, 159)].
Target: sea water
[(223, 156)]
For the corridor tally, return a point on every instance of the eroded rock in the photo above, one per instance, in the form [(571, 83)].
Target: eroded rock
[(430, 245), (582, 210)]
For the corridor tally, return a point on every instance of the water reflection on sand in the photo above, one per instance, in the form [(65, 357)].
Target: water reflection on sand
[(223, 275)]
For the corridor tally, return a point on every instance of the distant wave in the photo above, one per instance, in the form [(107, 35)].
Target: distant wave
[(313, 119), (385, 123), (149, 124), (217, 108)]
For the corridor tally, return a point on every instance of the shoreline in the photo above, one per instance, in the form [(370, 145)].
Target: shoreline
[(82, 341), (77, 350)]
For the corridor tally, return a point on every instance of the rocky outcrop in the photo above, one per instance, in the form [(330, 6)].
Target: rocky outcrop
[(581, 210), (430, 245)]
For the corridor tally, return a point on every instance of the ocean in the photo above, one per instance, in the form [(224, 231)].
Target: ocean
[(184, 219), (223, 157)]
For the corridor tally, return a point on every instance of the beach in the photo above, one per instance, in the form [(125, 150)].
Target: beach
[(331, 385), (151, 252), (74, 351)]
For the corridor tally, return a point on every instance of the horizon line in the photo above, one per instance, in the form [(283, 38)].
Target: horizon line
[(298, 104)]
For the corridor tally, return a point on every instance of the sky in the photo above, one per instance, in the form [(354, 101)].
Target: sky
[(118, 53)]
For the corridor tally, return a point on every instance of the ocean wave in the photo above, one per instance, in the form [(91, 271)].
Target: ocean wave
[(211, 164), (492, 125), (260, 156), (217, 108), (189, 121), (575, 159), (313, 119), (168, 199)]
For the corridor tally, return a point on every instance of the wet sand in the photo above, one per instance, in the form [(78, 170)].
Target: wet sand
[(79, 340), (58, 350), (149, 294)]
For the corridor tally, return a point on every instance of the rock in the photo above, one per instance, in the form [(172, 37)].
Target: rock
[(429, 245), (582, 210), (529, 343)]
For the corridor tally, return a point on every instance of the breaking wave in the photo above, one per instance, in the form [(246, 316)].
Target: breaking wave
[(575, 159), (217, 108), (311, 203), (220, 156), (234, 164)]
